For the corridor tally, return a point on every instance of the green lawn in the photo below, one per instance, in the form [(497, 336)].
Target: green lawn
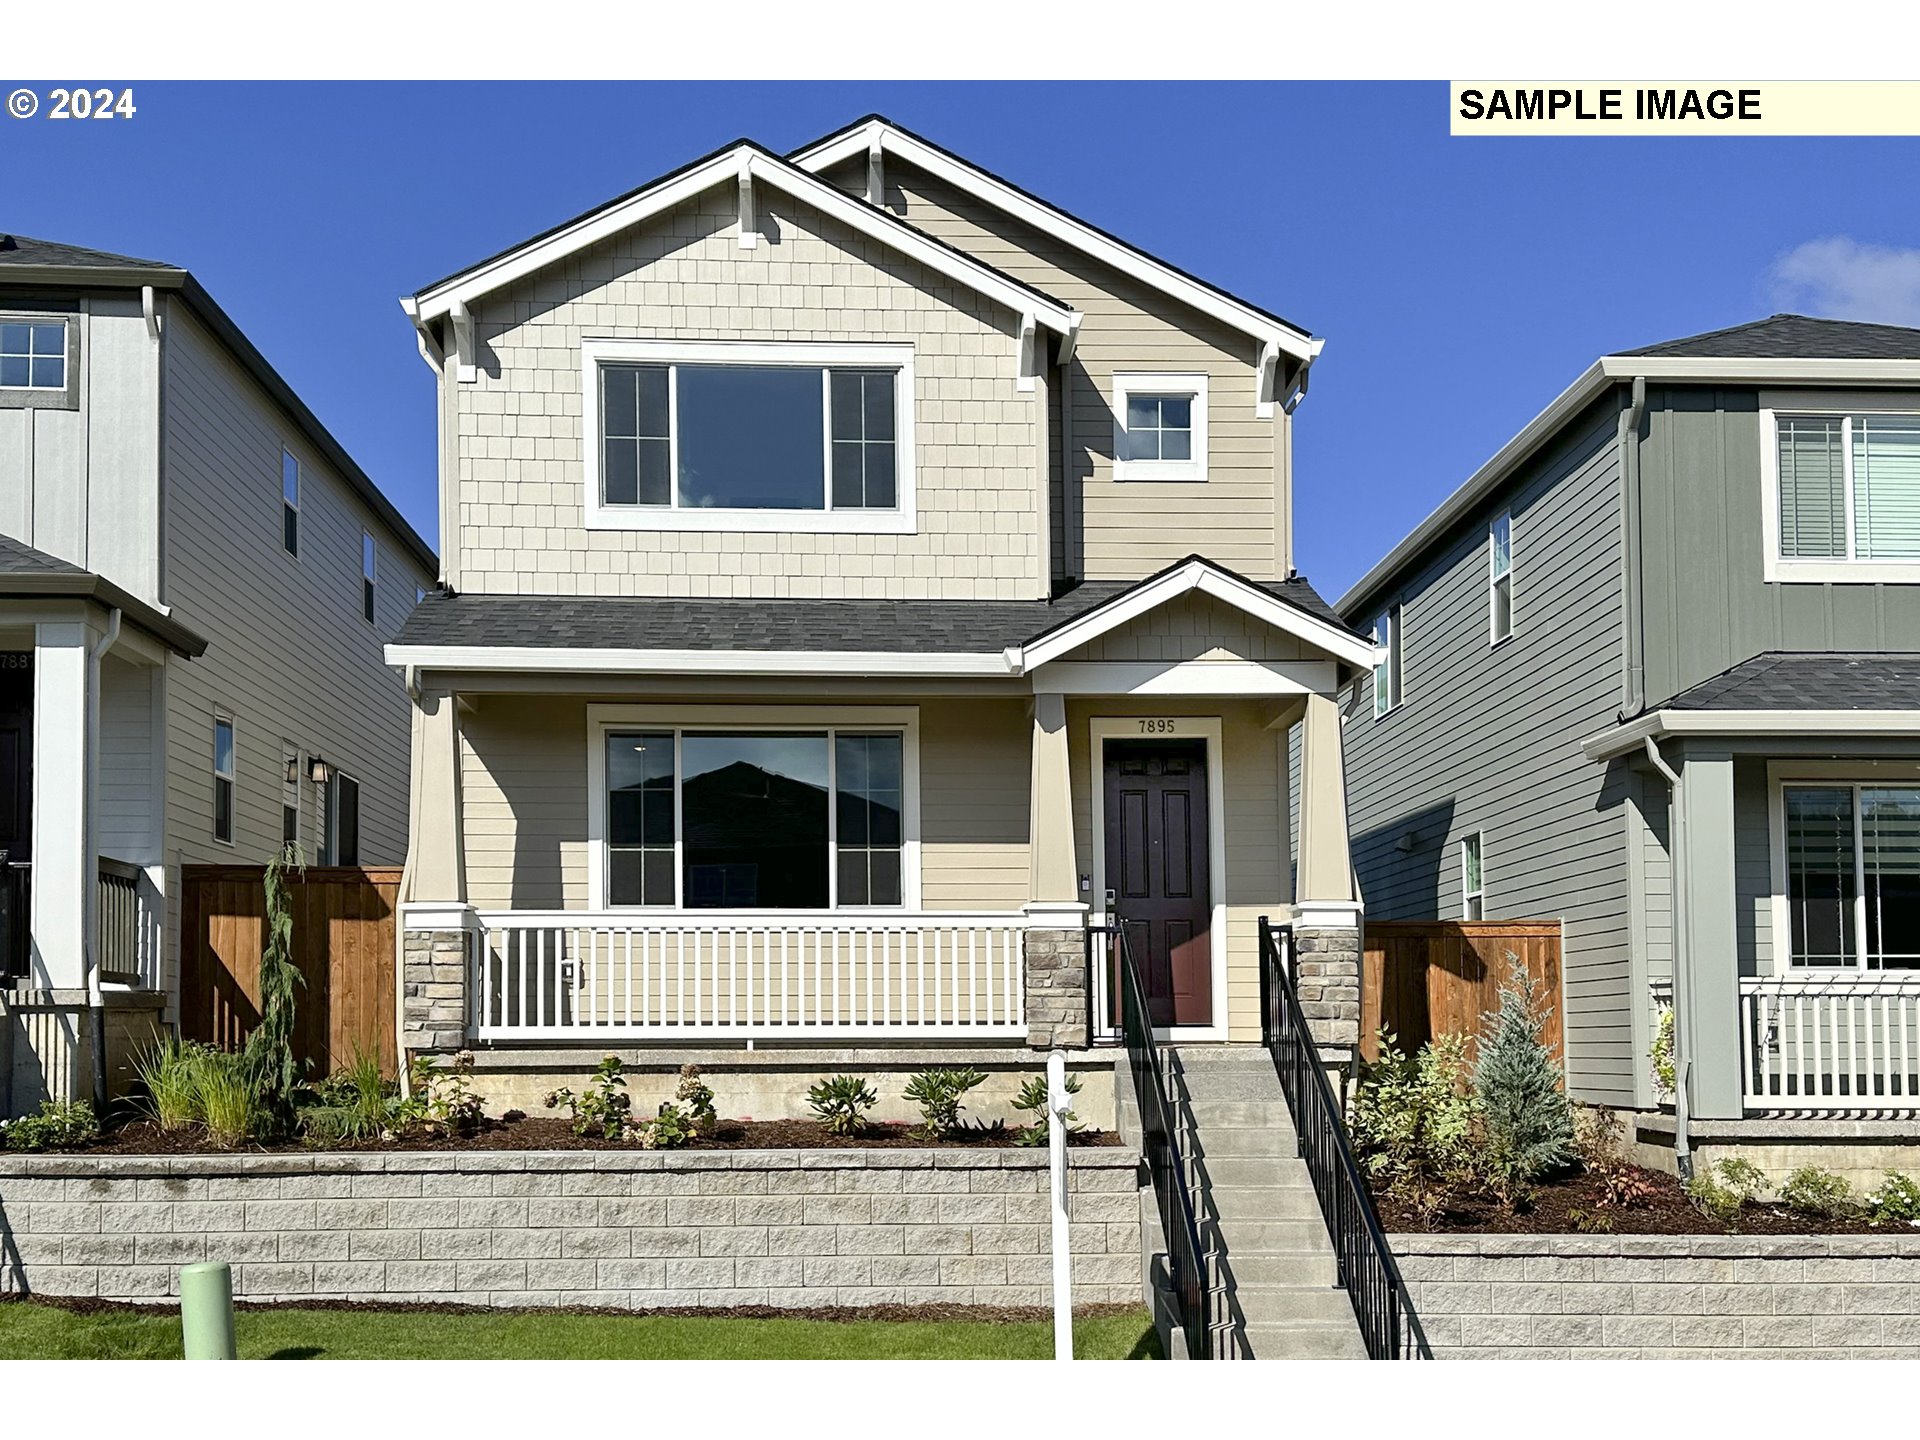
[(42, 1332)]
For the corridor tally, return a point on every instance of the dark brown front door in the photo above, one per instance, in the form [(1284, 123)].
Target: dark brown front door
[(1156, 850)]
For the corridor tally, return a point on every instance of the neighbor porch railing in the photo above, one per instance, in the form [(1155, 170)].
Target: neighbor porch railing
[(560, 975), (1831, 1041), (129, 921)]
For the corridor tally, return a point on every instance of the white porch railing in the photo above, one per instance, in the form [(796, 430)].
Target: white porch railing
[(573, 975), (1835, 1041)]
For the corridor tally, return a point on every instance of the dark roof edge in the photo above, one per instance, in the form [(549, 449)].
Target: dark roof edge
[(85, 585)]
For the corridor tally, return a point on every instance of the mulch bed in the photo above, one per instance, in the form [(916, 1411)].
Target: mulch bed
[(1551, 1212), (546, 1132)]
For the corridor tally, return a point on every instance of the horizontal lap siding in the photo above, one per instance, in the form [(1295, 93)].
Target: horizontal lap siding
[(1192, 627), (1488, 739)]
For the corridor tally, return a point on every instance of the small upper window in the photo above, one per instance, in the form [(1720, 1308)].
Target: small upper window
[(1473, 895), (1500, 579), (340, 829), (223, 779), (290, 502), (1386, 661), (1849, 487), (368, 562), (1160, 427), (33, 355)]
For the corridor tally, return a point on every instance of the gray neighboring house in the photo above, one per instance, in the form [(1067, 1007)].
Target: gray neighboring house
[(1651, 671), (196, 586)]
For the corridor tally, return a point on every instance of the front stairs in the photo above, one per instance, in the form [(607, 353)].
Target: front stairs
[(1271, 1285)]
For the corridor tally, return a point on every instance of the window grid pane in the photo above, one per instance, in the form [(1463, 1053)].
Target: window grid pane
[(33, 356), (640, 822), (635, 447), (1159, 427), (864, 468), (1821, 884), (1886, 487), (868, 813), (1813, 499), (1890, 860)]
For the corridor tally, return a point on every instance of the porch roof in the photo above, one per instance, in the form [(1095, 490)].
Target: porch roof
[(27, 573)]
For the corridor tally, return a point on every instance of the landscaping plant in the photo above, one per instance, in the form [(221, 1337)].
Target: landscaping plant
[(57, 1125), (272, 1072), (697, 1096), (356, 1102), (1894, 1201), (1818, 1194), (605, 1111), (841, 1103), (1528, 1122), (941, 1094), (669, 1130), (226, 1098), (1664, 1080), (1598, 1137), (170, 1074), (1033, 1100), (1721, 1191), (1415, 1119)]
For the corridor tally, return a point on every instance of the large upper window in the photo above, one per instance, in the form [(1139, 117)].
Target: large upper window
[(1160, 427), (746, 819), (1853, 875), (33, 355), (758, 437), (1848, 491)]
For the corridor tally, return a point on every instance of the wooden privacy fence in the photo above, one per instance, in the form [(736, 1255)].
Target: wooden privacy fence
[(1435, 977), (344, 921)]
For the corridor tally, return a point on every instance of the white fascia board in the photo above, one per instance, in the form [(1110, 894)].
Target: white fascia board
[(1083, 237), (1659, 724), (1195, 575), (1686, 370), (728, 166), (551, 660)]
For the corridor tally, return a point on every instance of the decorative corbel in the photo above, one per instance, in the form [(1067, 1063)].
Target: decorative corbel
[(1269, 380), (1029, 345), (466, 361), (749, 226), (876, 168)]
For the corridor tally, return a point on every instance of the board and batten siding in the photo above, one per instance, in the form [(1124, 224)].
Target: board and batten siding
[(1129, 529), (1487, 738), (519, 479), (524, 802)]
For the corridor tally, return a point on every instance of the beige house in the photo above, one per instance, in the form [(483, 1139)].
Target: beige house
[(859, 576)]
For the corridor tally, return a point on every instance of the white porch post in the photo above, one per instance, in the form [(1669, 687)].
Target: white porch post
[(437, 929), (64, 860), (435, 868), (1056, 948)]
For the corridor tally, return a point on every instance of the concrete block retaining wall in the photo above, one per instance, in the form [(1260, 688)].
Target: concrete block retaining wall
[(623, 1229), (1665, 1297)]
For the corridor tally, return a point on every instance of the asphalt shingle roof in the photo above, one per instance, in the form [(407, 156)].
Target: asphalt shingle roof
[(1794, 337), (1780, 681), (25, 250), (17, 558)]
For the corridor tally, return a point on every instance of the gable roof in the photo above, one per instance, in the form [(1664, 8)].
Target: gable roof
[(1083, 235), (27, 573), (26, 261), (1795, 337), (741, 159)]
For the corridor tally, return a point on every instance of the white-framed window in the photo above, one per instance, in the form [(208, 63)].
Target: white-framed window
[(1160, 427), (1473, 890), (369, 560), (1842, 494), (340, 827), (223, 774), (684, 435), (1847, 873), (1386, 661), (753, 808), (290, 795), (290, 503), (1500, 578), (33, 355)]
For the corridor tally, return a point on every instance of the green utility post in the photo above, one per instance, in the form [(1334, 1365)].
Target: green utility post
[(206, 1312)]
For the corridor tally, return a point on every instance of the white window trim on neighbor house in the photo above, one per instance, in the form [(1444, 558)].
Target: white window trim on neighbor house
[(228, 777), (289, 505), (1473, 856), (1388, 658), (603, 719), (900, 520), (1194, 388), (1838, 774), (1845, 405), (1494, 576), (1102, 728), (369, 575)]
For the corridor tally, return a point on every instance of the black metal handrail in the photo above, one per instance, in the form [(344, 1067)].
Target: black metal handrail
[(1388, 1325), (1160, 1146)]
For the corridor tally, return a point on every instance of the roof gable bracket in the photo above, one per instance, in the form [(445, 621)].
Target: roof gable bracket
[(1269, 364), (876, 168), (468, 366), (1029, 353), (749, 227)]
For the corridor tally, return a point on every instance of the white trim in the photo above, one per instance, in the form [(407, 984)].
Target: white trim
[(900, 520), (1851, 774), (1468, 898), (1327, 914), (438, 915), (224, 716), (1389, 657), (459, 291), (1778, 568), (826, 718), (1187, 677), (540, 659), (1659, 723), (1102, 728), (1045, 218), (1494, 638), (1208, 580), (1194, 387)]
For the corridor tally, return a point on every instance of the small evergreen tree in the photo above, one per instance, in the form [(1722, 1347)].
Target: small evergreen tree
[(1529, 1124), (272, 1072)]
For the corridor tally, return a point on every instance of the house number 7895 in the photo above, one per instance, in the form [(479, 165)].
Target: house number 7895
[(1158, 727)]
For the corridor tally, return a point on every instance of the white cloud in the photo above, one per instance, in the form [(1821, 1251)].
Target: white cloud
[(1844, 279)]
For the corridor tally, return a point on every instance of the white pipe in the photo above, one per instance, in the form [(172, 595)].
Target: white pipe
[(1682, 1066), (1058, 1105)]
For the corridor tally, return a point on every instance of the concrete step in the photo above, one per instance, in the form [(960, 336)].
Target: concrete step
[(1235, 1205), (1223, 1057), (1242, 1142), (1308, 1341), (1301, 1233), (1247, 1084), (1286, 1304), (1307, 1267), (1287, 1170)]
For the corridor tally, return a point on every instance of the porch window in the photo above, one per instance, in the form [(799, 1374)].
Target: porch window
[(223, 779), (707, 819), (1853, 875), (1849, 487)]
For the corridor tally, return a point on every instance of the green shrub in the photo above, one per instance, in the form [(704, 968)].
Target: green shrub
[(697, 1096), (1722, 1191), (356, 1102), (1032, 1099), (1599, 1137), (272, 1071), (605, 1111), (226, 1098), (58, 1125), (1529, 1124), (1817, 1193), (443, 1102), (1664, 1081), (941, 1094), (170, 1073), (840, 1104), (669, 1130), (1415, 1118), (1894, 1201)]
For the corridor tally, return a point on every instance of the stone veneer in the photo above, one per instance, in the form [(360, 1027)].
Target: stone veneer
[(618, 1228), (434, 997), (1056, 988), (1665, 1297), (1328, 980)]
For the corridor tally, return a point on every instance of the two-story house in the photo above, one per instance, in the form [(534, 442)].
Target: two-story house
[(196, 584), (858, 574), (1652, 671)]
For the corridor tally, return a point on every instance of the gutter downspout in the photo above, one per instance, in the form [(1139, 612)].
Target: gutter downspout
[(1633, 698), (90, 938), (1682, 1067)]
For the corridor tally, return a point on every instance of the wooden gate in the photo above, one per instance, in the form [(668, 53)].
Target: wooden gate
[(343, 943), (1421, 978)]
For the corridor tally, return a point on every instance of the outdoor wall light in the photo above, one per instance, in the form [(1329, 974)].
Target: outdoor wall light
[(318, 770)]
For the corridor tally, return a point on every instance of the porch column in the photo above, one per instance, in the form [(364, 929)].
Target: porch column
[(1707, 967), (436, 925), (1326, 900), (435, 868), (64, 863), (1056, 938)]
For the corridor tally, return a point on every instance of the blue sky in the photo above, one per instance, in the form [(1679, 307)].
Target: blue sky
[(1460, 283)]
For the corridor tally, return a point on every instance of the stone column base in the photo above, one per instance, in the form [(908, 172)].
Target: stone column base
[(1057, 995), (434, 990), (1328, 979)]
